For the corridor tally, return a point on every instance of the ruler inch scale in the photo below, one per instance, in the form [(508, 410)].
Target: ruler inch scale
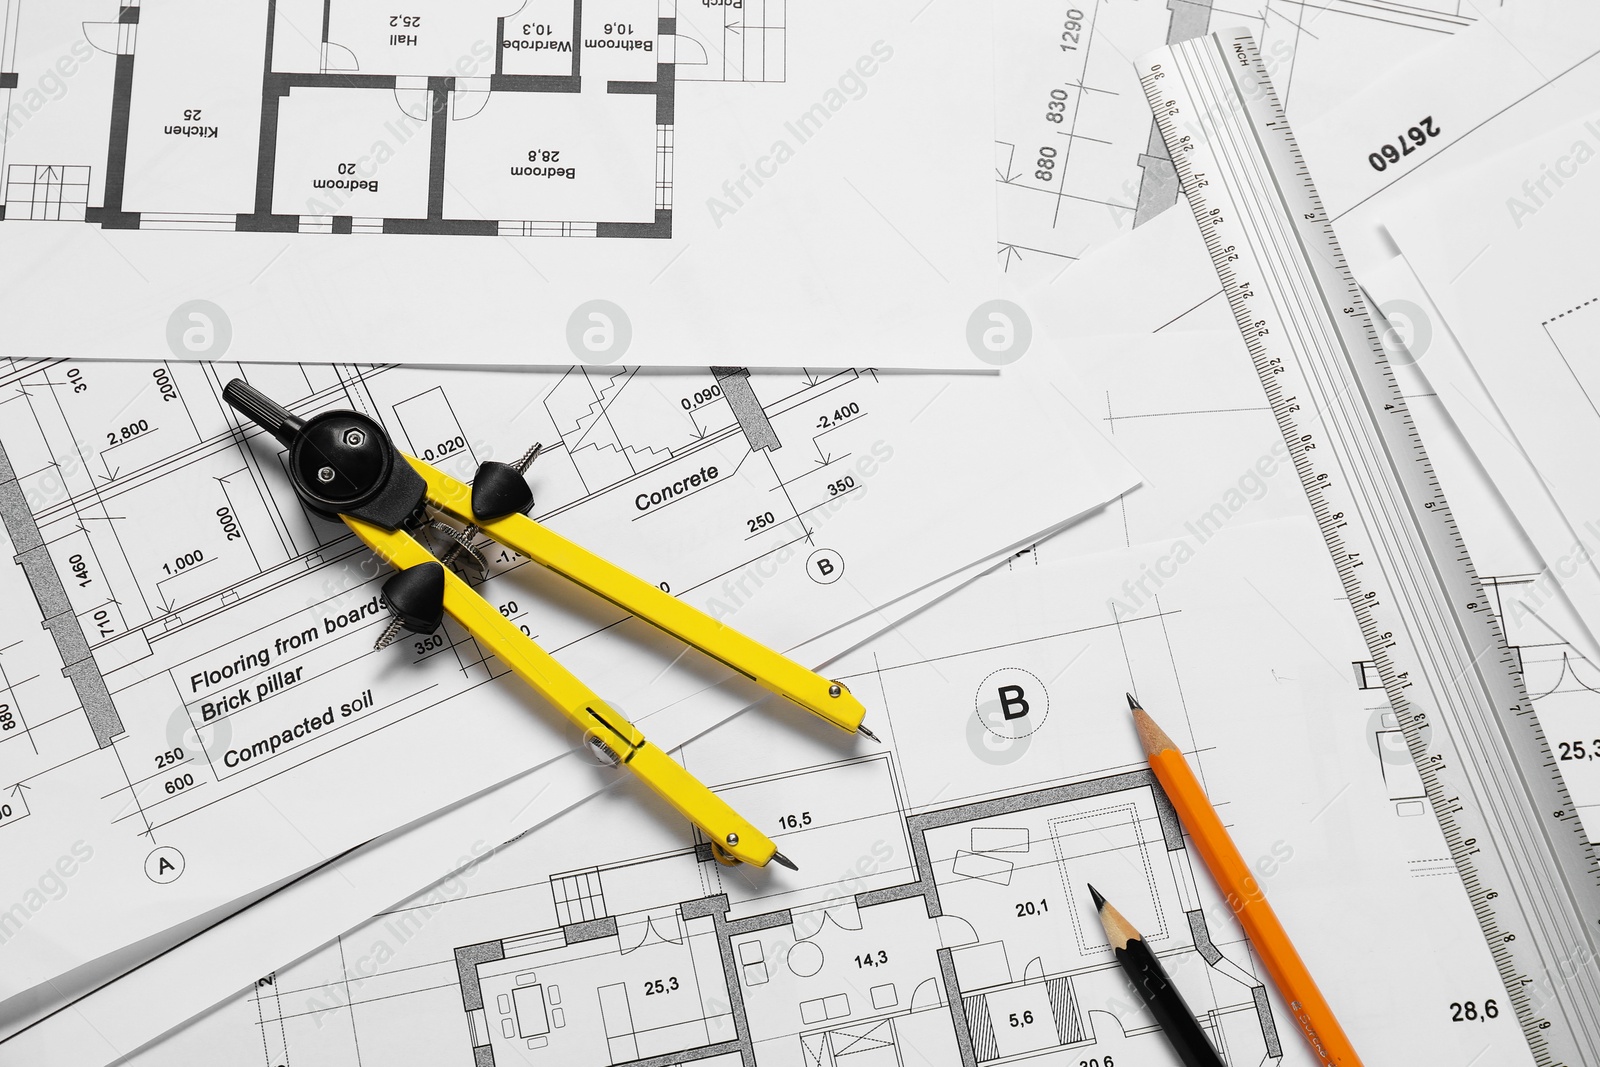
[(1455, 686)]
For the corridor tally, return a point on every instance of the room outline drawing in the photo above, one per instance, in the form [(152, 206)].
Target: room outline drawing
[(507, 1005), (555, 118)]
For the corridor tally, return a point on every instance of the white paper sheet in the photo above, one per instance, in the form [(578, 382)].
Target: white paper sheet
[(622, 181), (1525, 67), (1155, 279), (954, 814), (191, 977), (258, 564), (1155, 397)]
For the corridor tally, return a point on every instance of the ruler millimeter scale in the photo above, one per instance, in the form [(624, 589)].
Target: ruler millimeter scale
[(1455, 687)]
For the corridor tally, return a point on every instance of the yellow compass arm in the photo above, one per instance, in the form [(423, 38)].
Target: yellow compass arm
[(547, 677), (777, 672)]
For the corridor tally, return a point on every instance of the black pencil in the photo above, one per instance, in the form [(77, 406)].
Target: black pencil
[(1160, 995)]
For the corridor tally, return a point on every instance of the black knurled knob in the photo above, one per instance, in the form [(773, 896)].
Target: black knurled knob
[(498, 490), (416, 597), (264, 411)]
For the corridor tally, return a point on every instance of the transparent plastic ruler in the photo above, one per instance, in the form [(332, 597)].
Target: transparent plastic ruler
[(1455, 686)]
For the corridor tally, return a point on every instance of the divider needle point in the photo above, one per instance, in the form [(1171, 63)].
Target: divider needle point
[(869, 733)]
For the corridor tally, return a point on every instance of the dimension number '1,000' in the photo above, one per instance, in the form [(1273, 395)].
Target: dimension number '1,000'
[(184, 562)]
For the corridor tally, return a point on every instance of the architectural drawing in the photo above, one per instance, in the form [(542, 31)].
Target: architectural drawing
[(94, 451), (177, 673), (939, 915), (552, 119), (240, 152), (956, 966), (948, 929)]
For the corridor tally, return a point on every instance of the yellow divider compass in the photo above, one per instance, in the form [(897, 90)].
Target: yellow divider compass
[(344, 466)]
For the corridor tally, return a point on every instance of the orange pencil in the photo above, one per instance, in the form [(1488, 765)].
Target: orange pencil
[(1244, 894)]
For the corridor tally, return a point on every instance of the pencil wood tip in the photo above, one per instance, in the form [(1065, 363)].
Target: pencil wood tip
[(1133, 702), (1119, 931), (1094, 894), (1152, 737)]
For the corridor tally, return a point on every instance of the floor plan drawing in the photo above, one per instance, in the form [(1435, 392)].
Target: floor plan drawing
[(309, 168), (950, 967), (162, 681), (324, 117), (939, 915)]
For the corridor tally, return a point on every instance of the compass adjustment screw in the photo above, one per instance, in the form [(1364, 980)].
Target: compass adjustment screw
[(497, 491), (389, 635)]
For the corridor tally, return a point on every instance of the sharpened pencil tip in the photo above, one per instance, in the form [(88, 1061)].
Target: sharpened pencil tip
[(785, 861), (1094, 894), (1152, 737), (1119, 931), (862, 729), (1133, 702)]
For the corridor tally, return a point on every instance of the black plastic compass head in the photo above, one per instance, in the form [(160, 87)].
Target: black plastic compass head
[(341, 462), (340, 459)]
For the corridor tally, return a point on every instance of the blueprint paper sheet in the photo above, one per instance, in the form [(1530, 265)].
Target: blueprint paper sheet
[(621, 181), (111, 1015), (1116, 177), (1153, 396), (963, 813), (190, 979), (154, 608), (1156, 402), (1078, 160)]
